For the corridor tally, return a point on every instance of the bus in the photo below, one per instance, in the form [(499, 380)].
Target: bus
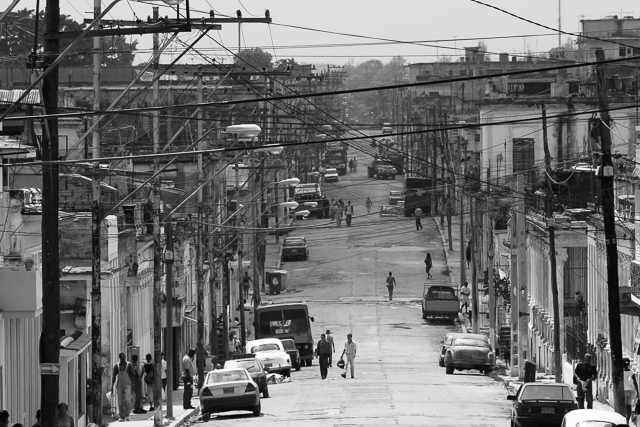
[(289, 320)]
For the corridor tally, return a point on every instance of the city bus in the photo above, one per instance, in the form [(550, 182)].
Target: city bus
[(290, 320)]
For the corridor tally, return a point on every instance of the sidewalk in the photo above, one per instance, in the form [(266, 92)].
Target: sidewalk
[(180, 415)]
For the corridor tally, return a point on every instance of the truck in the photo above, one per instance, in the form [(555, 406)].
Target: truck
[(381, 168), (336, 157), (417, 194), (309, 193), (440, 302)]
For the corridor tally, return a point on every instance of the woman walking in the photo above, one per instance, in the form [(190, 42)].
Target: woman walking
[(428, 265)]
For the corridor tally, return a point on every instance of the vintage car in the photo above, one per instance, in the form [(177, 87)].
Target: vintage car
[(445, 343), (395, 196), (290, 347), (389, 210), (542, 404), (272, 354), (593, 418), (295, 247), (255, 369), (229, 390), (439, 302), (331, 175), (469, 352)]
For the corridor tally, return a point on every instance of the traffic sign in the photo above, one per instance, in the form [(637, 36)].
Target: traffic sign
[(50, 368)]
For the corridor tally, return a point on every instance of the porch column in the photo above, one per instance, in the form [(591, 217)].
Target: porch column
[(562, 254)]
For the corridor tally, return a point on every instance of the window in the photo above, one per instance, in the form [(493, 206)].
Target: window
[(523, 157), (546, 393), (451, 72), (622, 52), (464, 72)]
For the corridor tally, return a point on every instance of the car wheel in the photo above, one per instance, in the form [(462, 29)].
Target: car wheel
[(487, 371), (287, 373), (449, 369), (256, 410), (298, 367), (441, 363), (265, 393), (309, 362)]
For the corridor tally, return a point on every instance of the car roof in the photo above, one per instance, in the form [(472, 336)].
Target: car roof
[(454, 334), (575, 416), (264, 341), (247, 359)]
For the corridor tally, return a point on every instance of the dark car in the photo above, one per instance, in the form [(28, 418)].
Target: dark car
[(295, 247), (445, 343), (292, 351), (469, 352), (255, 369), (541, 404)]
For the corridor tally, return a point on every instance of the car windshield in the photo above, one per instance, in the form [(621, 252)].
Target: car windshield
[(280, 322), (217, 377), (249, 365), (442, 293), (293, 242), (331, 171), (546, 392), (288, 345), (264, 347), (466, 342)]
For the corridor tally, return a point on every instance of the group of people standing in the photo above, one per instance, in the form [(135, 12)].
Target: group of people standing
[(132, 383), (324, 352), (353, 165), (338, 210), (64, 419)]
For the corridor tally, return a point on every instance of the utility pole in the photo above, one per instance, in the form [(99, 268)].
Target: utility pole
[(474, 268), (168, 344), (199, 244), (608, 214), (461, 179), (513, 276), (50, 337), (96, 220), (488, 232), (157, 250), (523, 306), (557, 351)]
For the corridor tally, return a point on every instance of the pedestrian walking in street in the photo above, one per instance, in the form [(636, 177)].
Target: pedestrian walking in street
[(368, 204), (339, 213), (121, 382), (583, 377), (418, 214), (148, 380), (64, 419), (332, 210), (351, 165), (188, 371), (355, 164), (164, 377), (341, 203), (138, 371), (349, 213), (350, 349), (333, 347), (246, 284), (428, 265), (325, 207), (465, 292), (391, 284), (630, 386), (323, 351)]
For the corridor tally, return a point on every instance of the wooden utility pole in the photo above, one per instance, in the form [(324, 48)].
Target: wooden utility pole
[(157, 249), (50, 337), (461, 179), (474, 268), (513, 276), (557, 351), (168, 342), (608, 213), (523, 306), (199, 244), (434, 165), (487, 228), (96, 220)]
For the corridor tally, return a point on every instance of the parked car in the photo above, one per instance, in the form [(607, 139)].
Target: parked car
[(255, 369), (445, 343), (439, 302), (389, 210), (292, 351), (469, 352), (295, 247), (395, 196), (272, 354), (331, 175), (229, 390), (542, 404), (593, 418)]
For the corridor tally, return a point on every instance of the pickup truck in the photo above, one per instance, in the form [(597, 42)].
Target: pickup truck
[(439, 302)]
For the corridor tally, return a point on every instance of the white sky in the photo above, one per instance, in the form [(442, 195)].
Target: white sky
[(407, 20)]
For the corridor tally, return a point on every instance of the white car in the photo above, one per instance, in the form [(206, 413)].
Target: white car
[(271, 352), (230, 390), (593, 418), (331, 175)]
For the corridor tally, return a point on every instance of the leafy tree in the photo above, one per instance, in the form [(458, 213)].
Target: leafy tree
[(20, 32), (252, 59), (282, 64)]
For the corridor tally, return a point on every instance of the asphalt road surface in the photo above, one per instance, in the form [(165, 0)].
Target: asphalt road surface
[(397, 379)]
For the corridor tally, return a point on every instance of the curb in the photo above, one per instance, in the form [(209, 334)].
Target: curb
[(184, 417)]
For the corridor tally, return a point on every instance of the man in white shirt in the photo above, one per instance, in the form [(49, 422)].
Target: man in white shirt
[(350, 349), (188, 371)]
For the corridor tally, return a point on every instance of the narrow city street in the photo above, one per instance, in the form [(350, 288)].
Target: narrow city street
[(397, 380)]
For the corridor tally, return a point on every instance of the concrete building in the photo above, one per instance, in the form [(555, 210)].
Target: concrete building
[(617, 36)]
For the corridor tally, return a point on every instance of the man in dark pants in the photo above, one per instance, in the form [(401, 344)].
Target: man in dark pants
[(137, 385), (583, 377), (188, 371), (323, 351)]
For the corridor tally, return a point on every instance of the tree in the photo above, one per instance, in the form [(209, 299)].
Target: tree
[(254, 59), (484, 49), (282, 64), (20, 33)]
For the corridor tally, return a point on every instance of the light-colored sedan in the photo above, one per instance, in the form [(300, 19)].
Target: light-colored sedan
[(272, 354), (227, 390), (593, 418), (468, 352), (331, 175)]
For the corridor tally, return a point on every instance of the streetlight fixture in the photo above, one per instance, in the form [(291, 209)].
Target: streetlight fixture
[(289, 181), (272, 149), (290, 205), (304, 213)]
